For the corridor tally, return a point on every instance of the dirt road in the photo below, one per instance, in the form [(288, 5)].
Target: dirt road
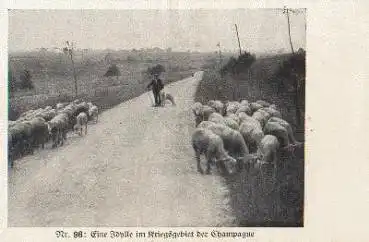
[(135, 167)]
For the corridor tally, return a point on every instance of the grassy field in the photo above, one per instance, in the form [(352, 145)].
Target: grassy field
[(280, 205), (52, 75)]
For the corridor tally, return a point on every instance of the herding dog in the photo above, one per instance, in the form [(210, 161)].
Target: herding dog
[(166, 96)]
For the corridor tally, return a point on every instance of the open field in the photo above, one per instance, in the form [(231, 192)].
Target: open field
[(52, 75), (283, 205)]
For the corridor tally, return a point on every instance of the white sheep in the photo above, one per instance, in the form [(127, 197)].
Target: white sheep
[(58, 127), (234, 117), (230, 122), (261, 116), (273, 112), (82, 120), (263, 103), (211, 145), (216, 118), (93, 113), (233, 141), (252, 133), (287, 126), (245, 108), (267, 155), (255, 106), (217, 105), (276, 129), (232, 107)]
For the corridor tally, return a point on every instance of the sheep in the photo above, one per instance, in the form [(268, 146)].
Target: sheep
[(82, 120), (93, 113), (166, 96), (255, 106), (217, 105), (211, 145), (207, 111), (60, 106), (205, 124), (232, 107), (233, 141), (244, 102), (230, 122), (261, 116), (267, 154), (252, 133), (287, 126), (58, 127), (216, 118), (203, 113), (39, 129), (276, 129), (263, 103), (245, 108), (273, 112), (234, 117)]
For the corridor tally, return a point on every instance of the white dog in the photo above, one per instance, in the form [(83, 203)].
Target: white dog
[(166, 96)]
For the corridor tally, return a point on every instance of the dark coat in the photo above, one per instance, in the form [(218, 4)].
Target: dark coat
[(157, 85)]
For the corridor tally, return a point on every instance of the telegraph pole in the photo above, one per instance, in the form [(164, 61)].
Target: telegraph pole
[(238, 38)]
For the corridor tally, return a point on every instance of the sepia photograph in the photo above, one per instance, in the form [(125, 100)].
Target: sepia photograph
[(156, 117)]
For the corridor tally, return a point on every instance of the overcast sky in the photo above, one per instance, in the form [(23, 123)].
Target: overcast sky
[(260, 30)]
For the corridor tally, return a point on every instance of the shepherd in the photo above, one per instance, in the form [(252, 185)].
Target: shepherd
[(157, 86)]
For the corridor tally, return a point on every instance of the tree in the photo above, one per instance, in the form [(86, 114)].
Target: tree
[(113, 71), (69, 51), (26, 80), (158, 69), (11, 82)]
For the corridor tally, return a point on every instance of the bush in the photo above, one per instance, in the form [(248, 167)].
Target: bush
[(113, 71), (242, 63)]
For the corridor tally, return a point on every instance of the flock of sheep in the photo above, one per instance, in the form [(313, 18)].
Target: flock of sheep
[(240, 135), (35, 128)]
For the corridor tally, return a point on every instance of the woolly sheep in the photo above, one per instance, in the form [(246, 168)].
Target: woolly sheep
[(287, 126), (232, 107), (82, 120), (267, 153), (211, 145), (245, 108), (93, 113), (252, 134), (58, 127), (255, 106), (230, 122), (217, 105), (261, 116), (233, 141), (217, 118), (273, 112), (234, 117), (276, 129), (263, 103)]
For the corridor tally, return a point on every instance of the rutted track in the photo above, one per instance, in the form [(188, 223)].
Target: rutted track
[(134, 168)]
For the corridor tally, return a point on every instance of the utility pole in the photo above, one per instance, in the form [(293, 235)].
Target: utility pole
[(220, 53), (69, 51), (238, 38), (286, 11)]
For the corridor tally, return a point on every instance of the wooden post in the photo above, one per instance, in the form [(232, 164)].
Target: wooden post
[(238, 38), (289, 28)]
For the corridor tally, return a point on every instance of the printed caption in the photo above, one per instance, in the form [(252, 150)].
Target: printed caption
[(158, 234)]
